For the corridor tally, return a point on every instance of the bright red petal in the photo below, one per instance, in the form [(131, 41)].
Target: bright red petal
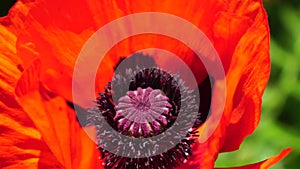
[(14, 20), (56, 122), (54, 36), (266, 163), (21, 143), (55, 32), (247, 77)]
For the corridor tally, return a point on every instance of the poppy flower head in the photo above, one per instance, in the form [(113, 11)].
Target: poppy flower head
[(148, 107), (143, 116)]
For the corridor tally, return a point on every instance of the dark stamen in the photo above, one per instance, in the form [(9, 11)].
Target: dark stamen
[(147, 107)]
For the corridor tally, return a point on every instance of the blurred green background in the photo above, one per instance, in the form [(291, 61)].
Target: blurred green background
[(280, 121), (279, 127)]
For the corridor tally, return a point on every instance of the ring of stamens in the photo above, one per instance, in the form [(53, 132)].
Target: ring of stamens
[(148, 88)]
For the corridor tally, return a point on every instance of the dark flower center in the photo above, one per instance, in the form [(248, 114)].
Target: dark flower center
[(148, 106)]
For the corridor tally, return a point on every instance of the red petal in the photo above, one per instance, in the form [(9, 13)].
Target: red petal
[(228, 29), (266, 163), (55, 32), (9, 59), (247, 78), (56, 37), (199, 13), (21, 143), (15, 18), (57, 124)]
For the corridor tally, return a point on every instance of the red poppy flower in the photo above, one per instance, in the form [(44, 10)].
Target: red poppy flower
[(41, 41)]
